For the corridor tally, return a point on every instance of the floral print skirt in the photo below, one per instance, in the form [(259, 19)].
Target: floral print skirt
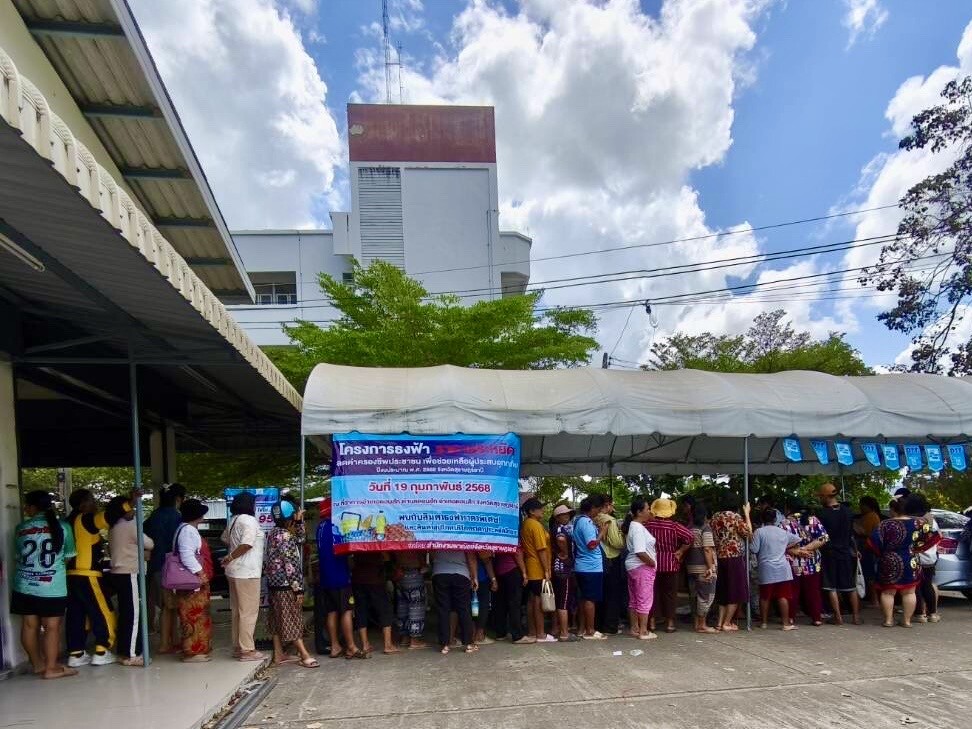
[(285, 618), (196, 622)]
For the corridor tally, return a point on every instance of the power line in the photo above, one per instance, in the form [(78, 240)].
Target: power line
[(641, 273), (671, 241), (683, 268), (623, 330), (677, 298)]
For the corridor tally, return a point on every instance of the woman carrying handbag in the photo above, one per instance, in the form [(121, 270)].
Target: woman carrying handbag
[(193, 552)]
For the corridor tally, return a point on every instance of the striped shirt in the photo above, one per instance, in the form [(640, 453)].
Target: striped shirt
[(669, 536)]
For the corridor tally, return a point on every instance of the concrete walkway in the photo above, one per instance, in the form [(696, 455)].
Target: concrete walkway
[(830, 677), (166, 695)]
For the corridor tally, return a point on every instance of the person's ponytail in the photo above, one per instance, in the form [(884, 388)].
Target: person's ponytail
[(43, 502), (57, 531)]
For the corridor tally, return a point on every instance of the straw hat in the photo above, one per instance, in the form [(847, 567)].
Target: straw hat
[(663, 508), (562, 509)]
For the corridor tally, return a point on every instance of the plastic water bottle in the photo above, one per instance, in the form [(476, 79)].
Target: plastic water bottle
[(475, 605)]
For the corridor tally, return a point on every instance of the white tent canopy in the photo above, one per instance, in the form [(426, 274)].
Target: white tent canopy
[(593, 421)]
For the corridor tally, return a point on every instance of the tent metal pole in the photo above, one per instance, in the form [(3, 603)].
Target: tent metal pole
[(143, 625), (303, 467), (749, 602)]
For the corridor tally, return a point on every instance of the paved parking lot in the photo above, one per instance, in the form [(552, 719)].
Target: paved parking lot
[(865, 676)]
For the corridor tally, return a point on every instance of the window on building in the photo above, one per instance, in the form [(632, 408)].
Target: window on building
[(275, 288), (347, 277)]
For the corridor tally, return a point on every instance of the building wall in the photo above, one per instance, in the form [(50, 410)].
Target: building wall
[(9, 514), (450, 223), (306, 253), (424, 197)]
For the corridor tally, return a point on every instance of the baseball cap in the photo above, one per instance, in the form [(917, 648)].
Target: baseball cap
[(531, 504), (563, 509)]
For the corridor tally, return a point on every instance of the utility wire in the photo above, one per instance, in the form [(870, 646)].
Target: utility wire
[(672, 241), (641, 273)]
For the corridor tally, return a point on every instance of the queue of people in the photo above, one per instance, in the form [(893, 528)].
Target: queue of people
[(577, 576), (68, 574), (805, 563)]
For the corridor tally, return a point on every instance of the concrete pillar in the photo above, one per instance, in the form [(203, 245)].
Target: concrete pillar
[(9, 515), (162, 456)]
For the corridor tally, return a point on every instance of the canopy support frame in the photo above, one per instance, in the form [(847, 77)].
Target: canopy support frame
[(143, 623)]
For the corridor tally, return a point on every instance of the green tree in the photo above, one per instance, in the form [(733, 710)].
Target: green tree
[(929, 263), (945, 490), (104, 482), (770, 345), (390, 320)]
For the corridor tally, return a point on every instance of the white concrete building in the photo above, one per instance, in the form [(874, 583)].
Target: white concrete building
[(424, 196)]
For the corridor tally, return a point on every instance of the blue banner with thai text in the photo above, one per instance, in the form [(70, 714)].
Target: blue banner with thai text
[(822, 451), (933, 454), (913, 457), (792, 450), (891, 460), (845, 455), (956, 456), (872, 453), (406, 492)]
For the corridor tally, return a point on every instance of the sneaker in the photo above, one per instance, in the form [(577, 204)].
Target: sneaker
[(934, 618), (598, 635), (547, 639), (485, 641), (921, 618), (77, 661), (103, 659), (525, 640)]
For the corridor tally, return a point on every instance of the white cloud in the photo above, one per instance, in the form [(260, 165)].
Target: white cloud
[(602, 113), (252, 102), (888, 176), (863, 18)]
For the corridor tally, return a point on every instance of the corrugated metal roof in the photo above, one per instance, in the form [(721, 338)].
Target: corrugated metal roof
[(85, 185), (100, 54)]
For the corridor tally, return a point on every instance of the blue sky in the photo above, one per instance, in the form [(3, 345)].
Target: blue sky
[(722, 113)]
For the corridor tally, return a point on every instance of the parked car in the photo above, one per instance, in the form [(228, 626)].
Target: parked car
[(211, 532), (954, 569)]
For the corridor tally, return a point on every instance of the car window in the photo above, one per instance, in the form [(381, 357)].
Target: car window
[(949, 519)]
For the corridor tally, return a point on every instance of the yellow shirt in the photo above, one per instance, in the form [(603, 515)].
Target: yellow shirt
[(613, 541), (533, 538), (90, 544)]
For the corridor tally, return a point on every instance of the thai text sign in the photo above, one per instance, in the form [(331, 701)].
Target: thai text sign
[(397, 492)]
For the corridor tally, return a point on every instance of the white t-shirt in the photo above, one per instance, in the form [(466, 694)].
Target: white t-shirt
[(639, 540), (244, 529)]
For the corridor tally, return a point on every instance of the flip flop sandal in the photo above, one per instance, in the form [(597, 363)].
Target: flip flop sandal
[(309, 664)]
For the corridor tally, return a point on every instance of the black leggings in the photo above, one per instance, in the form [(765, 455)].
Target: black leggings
[(926, 591), (508, 605), (453, 593)]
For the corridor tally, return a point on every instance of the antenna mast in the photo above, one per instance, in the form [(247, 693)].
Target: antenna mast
[(401, 83), (387, 49)]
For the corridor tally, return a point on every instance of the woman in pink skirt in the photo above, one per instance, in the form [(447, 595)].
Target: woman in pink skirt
[(640, 565)]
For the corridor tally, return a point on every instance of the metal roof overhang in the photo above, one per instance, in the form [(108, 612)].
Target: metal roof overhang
[(98, 50), (71, 327)]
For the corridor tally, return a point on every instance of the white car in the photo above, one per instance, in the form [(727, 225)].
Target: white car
[(953, 571)]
